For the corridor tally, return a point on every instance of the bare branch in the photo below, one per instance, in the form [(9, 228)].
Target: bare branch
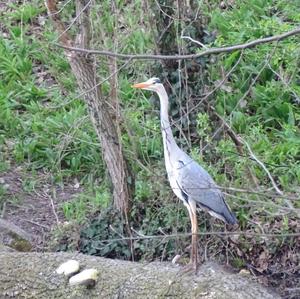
[(63, 7), (78, 14), (52, 204), (92, 88), (207, 233), (211, 51), (286, 84), (64, 38), (230, 131), (263, 167), (194, 41)]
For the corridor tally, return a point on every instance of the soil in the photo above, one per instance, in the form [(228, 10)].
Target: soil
[(35, 209), (36, 212)]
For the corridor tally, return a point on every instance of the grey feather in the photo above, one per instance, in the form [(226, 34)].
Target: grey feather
[(199, 186)]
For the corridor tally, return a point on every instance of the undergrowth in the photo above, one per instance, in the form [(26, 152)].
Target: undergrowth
[(44, 125)]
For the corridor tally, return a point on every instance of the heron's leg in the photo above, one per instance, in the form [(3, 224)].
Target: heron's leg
[(194, 252), (192, 266)]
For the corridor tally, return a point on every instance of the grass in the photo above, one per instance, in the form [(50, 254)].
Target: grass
[(270, 111), (45, 126), (48, 128), (81, 207)]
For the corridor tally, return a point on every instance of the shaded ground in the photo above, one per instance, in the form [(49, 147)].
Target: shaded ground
[(37, 211)]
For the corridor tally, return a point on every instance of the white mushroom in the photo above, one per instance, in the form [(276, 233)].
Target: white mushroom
[(87, 277), (68, 268)]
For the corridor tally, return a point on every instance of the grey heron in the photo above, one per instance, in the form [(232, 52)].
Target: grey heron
[(189, 181)]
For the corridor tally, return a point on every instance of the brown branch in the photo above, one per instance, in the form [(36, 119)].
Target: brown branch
[(262, 166), (287, 200), (235, 138), (207, 233), (91, 89), (211, 51), (64, 38)]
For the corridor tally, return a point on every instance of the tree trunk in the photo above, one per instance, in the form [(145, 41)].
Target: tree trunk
[(32, 275), (101, 116), (101, 110)]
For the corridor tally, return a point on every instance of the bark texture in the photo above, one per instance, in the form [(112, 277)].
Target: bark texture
[(101, 110), (32, 275), (102, 118)]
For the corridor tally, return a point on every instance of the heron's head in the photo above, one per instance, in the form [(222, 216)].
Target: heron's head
[(152, 84)]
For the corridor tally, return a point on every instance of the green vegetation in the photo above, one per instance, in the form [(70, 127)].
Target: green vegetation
[(44, 126)]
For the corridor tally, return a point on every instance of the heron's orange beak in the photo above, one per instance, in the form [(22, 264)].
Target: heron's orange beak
[(141, 85)]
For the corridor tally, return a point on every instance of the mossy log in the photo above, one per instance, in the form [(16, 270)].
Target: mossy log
[(33, 275), (14, 237)]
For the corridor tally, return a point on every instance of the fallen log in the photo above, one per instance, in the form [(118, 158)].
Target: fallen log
[(33, 275)]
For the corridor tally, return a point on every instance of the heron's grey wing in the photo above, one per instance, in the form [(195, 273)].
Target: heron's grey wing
[(198, 185)]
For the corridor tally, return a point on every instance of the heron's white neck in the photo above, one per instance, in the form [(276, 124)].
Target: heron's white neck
[(167, 134)]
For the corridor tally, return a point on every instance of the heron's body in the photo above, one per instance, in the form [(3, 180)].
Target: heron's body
[(188, 180)]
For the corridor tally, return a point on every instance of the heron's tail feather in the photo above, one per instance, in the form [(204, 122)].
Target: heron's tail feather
[(226, 216), (230, 217), (224, 213)]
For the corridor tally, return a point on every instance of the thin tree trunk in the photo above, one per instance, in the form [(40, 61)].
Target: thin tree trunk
[(101, 111), (101, 116)]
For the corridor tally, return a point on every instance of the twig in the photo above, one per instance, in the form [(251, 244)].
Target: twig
[(139, 234), (38, 224), (163, 12), (194, 41), (260, 193), (230, 131), (115, 231), (62, 8), (214, 233), (297, 98), (92, 88), (211, 51), (263, 167), (263, 203), (52, 205), (64, 38), (75, 19)]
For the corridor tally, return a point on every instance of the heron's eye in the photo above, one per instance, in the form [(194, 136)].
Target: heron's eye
[(156, 81)]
